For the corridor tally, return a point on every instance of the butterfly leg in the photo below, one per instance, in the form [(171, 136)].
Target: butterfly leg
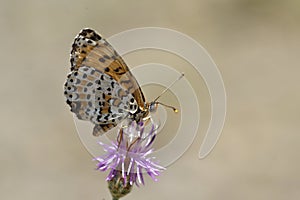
[(120, 137)]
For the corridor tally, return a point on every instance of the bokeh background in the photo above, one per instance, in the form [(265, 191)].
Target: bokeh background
[(255, 44)]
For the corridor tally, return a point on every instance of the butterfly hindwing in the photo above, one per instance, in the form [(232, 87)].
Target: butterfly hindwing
[(97, 97)]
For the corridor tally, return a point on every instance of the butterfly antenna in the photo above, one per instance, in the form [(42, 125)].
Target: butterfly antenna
[(168, 106), (182, 75)]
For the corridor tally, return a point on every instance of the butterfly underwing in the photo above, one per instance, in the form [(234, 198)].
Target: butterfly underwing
[(100, 87)]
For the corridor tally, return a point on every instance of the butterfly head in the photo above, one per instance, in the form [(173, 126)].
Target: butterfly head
[(152, 107)]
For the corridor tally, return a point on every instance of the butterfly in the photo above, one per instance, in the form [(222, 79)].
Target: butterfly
[(100, 87)]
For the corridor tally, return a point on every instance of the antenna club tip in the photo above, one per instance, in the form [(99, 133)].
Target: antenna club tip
[(176, 110)]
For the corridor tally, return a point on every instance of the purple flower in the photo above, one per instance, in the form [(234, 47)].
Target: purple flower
[(130, 155)]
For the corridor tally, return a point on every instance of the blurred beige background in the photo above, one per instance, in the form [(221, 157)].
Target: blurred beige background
[(255, 44)]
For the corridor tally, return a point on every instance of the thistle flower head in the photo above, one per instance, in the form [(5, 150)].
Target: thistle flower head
[(130, 156)]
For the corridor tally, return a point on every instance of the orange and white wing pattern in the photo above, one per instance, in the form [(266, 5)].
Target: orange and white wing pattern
[(100, 87)]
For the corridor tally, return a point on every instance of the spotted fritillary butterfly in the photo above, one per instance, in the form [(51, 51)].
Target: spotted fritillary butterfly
[(100, 87)]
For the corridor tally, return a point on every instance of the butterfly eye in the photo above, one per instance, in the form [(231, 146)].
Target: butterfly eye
[(152, 107)]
